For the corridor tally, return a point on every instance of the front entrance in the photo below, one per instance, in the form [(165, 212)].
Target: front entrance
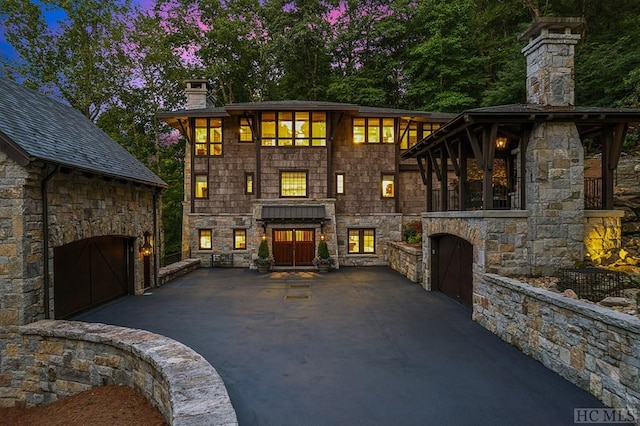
[(452, 267), (293, 247)]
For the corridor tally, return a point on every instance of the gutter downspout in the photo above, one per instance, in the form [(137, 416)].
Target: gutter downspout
[(45, 237)]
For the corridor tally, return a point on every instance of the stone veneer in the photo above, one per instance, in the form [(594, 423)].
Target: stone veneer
[(602, 233), (48, 360), (406, 259), (594, 347)]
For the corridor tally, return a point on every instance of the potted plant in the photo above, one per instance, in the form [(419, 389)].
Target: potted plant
[(323, 260), (264, 261)]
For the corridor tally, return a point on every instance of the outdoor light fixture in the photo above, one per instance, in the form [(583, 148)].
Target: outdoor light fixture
[(264, 237), (146, 249), (321, 237), (501, 142)]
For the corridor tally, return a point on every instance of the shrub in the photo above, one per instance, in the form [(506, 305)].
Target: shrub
[(263, 250), (413, 232)]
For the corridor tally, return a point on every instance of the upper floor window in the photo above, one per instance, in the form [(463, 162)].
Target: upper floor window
[(246, 134), (388, 186), (373, 130), (340, 183), (299, 128), (293, 184), (412, 132), (248, 183), (208, 137), (201, 187)]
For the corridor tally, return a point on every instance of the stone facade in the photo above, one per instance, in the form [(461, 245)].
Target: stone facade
[(45, 361), (79, 206), (593, 347), (406, 259), (602, 233)]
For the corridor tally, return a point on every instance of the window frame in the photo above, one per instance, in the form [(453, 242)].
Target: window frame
[(240, 132), (393, 176), (249, 177), (195, 182), (371, 123), (201, 235), (235, 240), (306, 184), (361, 240), (280, 116), (340, 177), (210, 145)]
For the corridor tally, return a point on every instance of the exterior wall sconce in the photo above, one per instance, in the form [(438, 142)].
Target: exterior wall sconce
[(321, 237), (264, 237), (146, 249), (501, 142)]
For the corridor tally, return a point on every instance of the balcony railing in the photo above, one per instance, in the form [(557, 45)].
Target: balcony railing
[(506, 196), (593, 199)]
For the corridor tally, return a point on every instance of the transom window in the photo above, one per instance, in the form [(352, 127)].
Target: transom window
[(362, 240), (299, 128), (373, 130), (208, 136), (201, 186), (204, 239), (239, 239), (293, 184)]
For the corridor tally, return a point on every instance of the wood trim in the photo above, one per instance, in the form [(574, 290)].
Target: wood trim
[(475, 146)]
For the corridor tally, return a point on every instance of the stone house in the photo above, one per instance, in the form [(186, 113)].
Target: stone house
[(76, 210), (294, 173)]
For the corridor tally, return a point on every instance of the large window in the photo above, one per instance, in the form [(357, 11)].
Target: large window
[(293, 184), (388, 186), (289, 128), (362, 240), (208, 137), (204, 239), (373, 130), (239, 239), (201, 187)]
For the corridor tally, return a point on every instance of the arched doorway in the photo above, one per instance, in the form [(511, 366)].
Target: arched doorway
[(452, 267)]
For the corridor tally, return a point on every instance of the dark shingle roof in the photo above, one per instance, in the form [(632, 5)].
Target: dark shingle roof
[(40, 128)]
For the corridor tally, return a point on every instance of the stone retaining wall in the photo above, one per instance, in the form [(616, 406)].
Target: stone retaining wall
[(594, 347), (44, 361), (406, 259), (175, 270)]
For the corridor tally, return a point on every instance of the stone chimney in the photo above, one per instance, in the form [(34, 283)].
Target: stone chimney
[(197, 94), (550, 61)]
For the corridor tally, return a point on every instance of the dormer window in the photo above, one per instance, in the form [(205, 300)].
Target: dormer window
[(208, 136)]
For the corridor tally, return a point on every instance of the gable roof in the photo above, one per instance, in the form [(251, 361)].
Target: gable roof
[(34, 127)]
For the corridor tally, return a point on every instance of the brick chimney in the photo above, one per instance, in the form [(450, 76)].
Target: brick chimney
[(197, 91), (550, 60)]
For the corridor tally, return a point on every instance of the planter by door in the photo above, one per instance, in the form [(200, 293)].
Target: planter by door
[(324, 267), (263, 268)]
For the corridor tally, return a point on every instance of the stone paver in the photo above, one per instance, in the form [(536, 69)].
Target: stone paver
[(358, 346)]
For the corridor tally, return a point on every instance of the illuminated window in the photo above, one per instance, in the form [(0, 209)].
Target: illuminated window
[(248, 183), (388, 186), (300, 128), (208, 136), (201, 189), (239, 239), (204, 239), (409, 136), (373, 130), (293, 184), (362, 240), (340, 183), (246, 135)]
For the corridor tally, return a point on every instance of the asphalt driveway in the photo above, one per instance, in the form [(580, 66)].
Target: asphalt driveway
[(358, 346)]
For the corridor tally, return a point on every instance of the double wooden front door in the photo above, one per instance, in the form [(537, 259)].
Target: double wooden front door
[(293, 247)]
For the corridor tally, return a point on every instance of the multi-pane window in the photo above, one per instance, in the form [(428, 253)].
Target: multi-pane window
[(239, 239), (246, 135), (293, 184), (340, 183), (388, 186), (412, 132), (362, 240), (201, 186), (204, 239), (289, 128), (208, 136), (373, 130), (248, 183)]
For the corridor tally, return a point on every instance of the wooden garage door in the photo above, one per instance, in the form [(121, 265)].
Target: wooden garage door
[(453, 267), (89, 272)]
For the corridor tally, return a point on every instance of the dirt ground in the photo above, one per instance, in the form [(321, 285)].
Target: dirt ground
[(102, 406)]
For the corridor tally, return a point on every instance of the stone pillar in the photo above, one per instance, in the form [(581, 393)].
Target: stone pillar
[(197, 91), (550, 61)]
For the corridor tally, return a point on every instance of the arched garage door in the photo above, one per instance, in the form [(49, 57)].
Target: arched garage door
[(89, 272), (452, 266)]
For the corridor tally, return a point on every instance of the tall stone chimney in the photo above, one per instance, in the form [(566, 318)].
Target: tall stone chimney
[(550, 60), (197, 91)]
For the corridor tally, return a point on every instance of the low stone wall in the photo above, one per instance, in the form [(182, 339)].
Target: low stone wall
[(594, 347), (44, 361), (173, 271), (406, 259)]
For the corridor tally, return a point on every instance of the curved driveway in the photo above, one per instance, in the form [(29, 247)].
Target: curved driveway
[(358, 346)]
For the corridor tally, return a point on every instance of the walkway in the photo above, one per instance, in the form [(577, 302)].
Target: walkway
[(360, 346)]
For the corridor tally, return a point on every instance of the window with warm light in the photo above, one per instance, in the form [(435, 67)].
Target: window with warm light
[(289, 128), (208, 136), (204, 239), (246, 135), (388, 186), (201, 186), (373, 130), (362, 241), (239, 239), (293, 184), (340, 183), (248, 183), (410, 135)]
